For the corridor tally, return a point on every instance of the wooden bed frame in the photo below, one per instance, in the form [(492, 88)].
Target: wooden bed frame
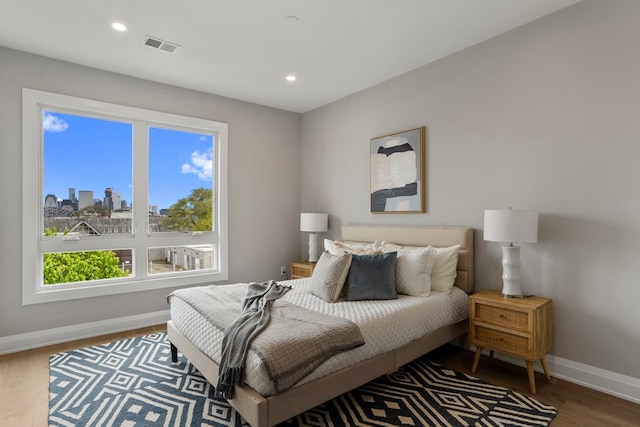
[(260, 411)]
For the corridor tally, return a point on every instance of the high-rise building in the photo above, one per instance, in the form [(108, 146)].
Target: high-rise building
[(72, 198), (108, 201), (115, 199), (50, 201), (85, 199)]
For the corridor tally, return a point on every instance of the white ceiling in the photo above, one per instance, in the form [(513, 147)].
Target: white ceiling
[(243, 49)]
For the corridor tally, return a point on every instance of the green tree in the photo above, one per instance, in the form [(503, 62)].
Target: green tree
[(52, 231), (93, 212), (192, 213), (65, 267)]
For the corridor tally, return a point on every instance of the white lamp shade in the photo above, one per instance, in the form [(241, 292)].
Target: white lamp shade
[(511, 226), (314, 222)]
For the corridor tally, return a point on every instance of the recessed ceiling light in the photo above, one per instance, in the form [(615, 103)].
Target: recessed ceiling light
[(119, 26), (291, 78)]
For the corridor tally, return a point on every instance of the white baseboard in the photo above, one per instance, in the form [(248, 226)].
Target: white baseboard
[(622, 386), (20, 342)]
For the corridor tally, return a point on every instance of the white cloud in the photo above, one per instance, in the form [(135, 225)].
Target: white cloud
[(53, 123), (201, 165)]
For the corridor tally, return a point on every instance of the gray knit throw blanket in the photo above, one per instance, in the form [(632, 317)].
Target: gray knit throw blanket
[(253, 319)]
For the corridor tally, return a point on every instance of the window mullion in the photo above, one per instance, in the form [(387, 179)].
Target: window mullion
[(140, 196)]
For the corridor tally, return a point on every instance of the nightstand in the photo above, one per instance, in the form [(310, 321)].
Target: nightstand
[(302, 269), (521, 327)]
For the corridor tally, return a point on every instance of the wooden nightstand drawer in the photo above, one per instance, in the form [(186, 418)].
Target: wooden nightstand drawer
[(300, 270), (499, 316), (503, 341)]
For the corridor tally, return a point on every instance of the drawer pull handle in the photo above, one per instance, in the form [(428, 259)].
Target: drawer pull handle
[(503, 316)]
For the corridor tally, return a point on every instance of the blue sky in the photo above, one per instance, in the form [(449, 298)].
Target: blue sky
[(93, 154)]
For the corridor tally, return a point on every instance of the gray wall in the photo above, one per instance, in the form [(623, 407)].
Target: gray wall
[(263, 181), (545, 117)]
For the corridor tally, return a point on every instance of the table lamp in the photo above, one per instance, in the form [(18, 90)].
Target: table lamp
[(314, 223), (511, 226)]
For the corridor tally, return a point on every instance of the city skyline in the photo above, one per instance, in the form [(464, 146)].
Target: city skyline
[(94, 199), (90, 154)]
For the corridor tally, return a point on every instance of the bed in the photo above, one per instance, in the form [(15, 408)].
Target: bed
[(265, 408)]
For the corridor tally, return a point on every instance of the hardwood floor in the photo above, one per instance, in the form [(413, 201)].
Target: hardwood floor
[(577, 405), (24, 384)]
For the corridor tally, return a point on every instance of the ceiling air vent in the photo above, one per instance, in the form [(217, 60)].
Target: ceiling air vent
[(156, 43)]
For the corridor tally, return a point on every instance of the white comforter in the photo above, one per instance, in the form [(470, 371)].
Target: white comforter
[(385, 325)]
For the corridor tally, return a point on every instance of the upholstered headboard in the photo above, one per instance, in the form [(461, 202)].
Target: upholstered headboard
[(422, 236)]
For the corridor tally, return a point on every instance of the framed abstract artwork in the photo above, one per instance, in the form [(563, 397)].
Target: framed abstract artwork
[(397, 172)]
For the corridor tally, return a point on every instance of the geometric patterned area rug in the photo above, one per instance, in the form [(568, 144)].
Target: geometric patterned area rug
[(133, 383)]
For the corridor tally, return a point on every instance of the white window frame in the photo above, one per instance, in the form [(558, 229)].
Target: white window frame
[(34, 244)]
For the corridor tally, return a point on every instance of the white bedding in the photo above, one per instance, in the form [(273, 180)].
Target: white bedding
[(385, 325)]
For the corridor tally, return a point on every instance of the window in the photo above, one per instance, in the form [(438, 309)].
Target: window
[(119, 199)]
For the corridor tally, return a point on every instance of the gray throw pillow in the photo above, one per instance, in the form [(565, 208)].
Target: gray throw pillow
[(372, 277)]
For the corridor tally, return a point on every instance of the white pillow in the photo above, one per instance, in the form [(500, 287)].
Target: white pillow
[(413, 271), (356, 248), (444, 272), (386, 246), (329, 275)]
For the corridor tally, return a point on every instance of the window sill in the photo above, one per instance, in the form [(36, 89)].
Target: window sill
[(53, 293)]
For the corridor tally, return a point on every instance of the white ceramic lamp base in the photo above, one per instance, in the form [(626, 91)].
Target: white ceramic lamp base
[(511, 272), (314, 254)]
